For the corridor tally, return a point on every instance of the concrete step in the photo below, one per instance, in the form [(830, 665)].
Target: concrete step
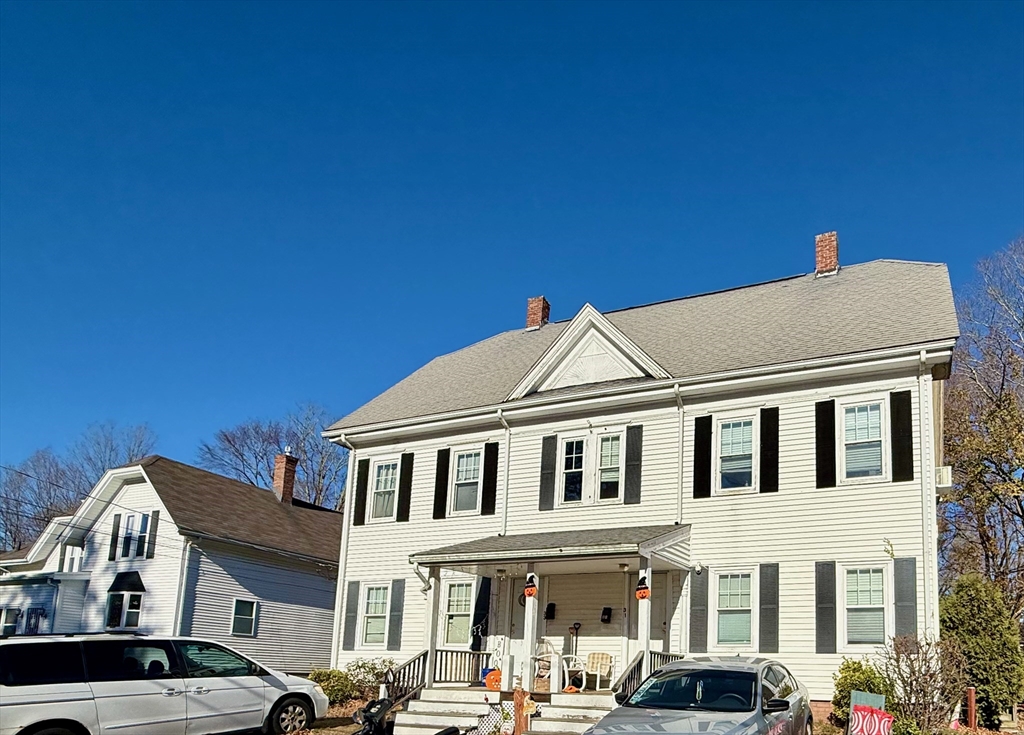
[(454, 706), (544, 725), (555, 712), (437, 720), (464, 694), (415, 729), (601, 700)]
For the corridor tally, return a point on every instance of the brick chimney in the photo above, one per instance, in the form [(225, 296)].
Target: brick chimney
[(538, 311), (826, 254), (284, 476)]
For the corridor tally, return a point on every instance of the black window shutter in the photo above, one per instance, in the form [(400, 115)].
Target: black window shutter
[(115, 533), (901, 426), (489, 494), (396, 613), (60, 564), (348, 640), (905, 595), (702, 457), (634, 463), (154, 526), (441, 483), (768, 613), (769, 479), (548, 459), (699, 611), (825, 443), (824, 607), (404, 487), (481, 610), (362, 481)]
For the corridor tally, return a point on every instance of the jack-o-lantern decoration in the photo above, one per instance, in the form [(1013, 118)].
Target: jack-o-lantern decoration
[(643, 592), (530, 590)]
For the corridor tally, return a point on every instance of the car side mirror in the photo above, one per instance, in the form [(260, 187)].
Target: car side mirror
[(775, 705), (621, 697)]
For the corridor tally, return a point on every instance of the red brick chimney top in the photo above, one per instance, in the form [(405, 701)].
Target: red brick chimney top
[(826, 254), (284, 477), (538, 311)]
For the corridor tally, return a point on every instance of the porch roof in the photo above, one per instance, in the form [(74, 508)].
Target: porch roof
[(669, 543)]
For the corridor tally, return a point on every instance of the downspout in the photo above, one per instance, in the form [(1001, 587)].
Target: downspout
[(179, 613), (928, 511), (56, 601), (679, 470), (339, 593), (425, 580), (508, 461)]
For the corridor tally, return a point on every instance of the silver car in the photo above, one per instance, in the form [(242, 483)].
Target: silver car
[(713, 694)]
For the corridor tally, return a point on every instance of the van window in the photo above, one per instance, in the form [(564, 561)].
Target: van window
[(120, 660), (26, 664), (206, 659)]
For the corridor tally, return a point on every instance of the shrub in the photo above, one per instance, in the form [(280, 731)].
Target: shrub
[(337, 685), (367, 674), (926, 680), (854, 674), (974, 614)]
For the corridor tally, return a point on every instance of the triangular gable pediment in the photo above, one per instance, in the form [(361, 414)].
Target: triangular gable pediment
[(589, 350)]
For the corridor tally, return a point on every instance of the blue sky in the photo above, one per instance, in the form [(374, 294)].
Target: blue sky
[(210, 212)]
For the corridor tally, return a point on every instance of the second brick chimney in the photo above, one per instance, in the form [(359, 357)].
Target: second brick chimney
[(284, 476), (826, 254), (538, 311)]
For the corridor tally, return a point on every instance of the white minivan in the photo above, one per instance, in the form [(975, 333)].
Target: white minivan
[(140, 685)]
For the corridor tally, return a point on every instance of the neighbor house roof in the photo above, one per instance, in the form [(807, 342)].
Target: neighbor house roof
[(876, 305), (211, 505)]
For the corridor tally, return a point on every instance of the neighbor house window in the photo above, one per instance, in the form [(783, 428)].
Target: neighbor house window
[(609, 464), (862, 440), (572, 472), (384, 483), (865, 606), (9, 621), (243, 620), (734, 611), (133, 537), (375, 615), (72, 559), (457, 613), (467, 481), (736, 454), (124, 609)]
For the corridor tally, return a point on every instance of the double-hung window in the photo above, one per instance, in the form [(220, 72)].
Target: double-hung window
[(734, 610), (458, 613), (466, 495), (609, 466), (384, 483), (72, 559), (736, 454), (862, 440), (243, 618), (133, 537), (375, 615), (124, 609), (572, 471), (865, 606), (9, 621)]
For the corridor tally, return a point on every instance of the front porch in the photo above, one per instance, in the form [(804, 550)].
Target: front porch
[(565, 610)]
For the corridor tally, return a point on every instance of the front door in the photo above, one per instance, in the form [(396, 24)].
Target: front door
[(224, 691), (137, 687), (32, 618)]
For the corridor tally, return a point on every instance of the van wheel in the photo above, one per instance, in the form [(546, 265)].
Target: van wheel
[(54, 731), (290, 715)]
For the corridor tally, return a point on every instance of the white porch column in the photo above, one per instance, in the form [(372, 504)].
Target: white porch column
[(529, 634), (643, 618), (433, 606)]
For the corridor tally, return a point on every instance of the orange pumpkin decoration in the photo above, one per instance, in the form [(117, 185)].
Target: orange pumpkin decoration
[(530, 590), (493, 680), (643, 592)]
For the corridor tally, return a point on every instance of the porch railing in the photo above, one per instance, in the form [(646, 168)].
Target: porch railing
[(460, 667), (405, 681), (660, 658), (631, 677)]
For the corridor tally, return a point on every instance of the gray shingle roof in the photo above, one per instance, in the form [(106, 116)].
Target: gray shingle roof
[(550, 543), (884, 303)]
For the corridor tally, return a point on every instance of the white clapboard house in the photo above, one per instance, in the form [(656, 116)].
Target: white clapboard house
[(764, 458), (163, 548)]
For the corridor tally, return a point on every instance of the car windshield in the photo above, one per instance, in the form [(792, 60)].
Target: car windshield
[(713, 690)]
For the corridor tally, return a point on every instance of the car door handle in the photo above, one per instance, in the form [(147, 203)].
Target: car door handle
[(198, 690), (171, 692)]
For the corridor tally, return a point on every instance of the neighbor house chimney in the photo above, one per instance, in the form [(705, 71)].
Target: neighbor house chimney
[(284, 476), (826, 254), (538, 310)]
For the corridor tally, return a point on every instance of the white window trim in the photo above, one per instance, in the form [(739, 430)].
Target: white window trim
[(133, 551), (443, 616), (713, 644), (888, 606), (364, 594), (124, 610), (18, 625), (862, 399), (371, 490), (753, 415), (619, 431), (255, 616), (73, 554), (455, 452), (560, 481)]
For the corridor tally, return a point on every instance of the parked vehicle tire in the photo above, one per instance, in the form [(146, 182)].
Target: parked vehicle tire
[(809, 727), (53, 731), (290, 715)]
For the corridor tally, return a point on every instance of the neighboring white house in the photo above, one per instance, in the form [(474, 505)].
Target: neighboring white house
[(164, 548), (764, 457)]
